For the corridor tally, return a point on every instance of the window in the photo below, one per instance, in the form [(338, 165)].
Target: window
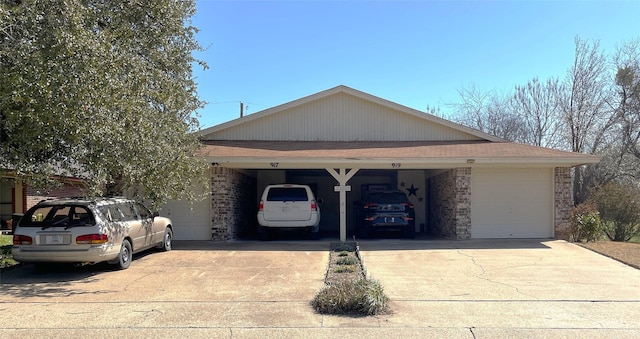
[(287, 194), (143, 211), (128, 211)]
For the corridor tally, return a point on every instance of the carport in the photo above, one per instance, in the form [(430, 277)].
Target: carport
[(464, 183)]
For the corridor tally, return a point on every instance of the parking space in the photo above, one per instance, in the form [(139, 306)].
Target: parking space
[(193, 271), (464, 288)]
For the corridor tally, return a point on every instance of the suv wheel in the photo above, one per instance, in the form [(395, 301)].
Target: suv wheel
[(410, 233), (263, 233), (365, 232), (314, 233)]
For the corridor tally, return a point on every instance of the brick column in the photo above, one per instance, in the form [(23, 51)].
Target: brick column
[(450, 204), (233, 200), (563, 202), (463, 203)]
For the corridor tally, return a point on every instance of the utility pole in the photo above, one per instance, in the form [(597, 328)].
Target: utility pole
[(241, 109)]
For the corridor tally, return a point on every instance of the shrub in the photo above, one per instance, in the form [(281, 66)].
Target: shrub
[(619, 207), (6, 259), (345, 269), (362, 296), (585, 223), (347, 261)]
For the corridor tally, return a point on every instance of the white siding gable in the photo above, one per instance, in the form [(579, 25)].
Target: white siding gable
[(342, 114)]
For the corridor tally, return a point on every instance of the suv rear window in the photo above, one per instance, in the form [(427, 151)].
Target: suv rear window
[(387, 197), (287, 194)]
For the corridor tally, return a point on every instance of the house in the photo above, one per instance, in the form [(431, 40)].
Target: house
[(464, 184), (16, 197)]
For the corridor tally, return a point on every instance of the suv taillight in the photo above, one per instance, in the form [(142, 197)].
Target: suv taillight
[(92, 239), (22, 240), (408, 204), (261, 206), (314, 207)]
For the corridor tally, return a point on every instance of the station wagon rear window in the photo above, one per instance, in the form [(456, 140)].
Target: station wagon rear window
[(287, 194), (58, 216)]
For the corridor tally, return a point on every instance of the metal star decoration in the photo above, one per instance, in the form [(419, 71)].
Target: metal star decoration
[(412, 190)]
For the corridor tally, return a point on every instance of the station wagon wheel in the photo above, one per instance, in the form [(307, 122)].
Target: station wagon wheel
[(125, 256), (166, 243)]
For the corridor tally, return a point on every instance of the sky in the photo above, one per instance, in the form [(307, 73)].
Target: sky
[(415, 53)]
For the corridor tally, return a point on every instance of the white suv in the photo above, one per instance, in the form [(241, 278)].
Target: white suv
[(288, 206), (81, 230)]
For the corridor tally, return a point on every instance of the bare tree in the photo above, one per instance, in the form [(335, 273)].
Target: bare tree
[(584, 101), (627, 61), (538, 108), (488, 112)]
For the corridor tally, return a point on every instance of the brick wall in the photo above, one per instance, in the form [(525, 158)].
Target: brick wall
[(34, 195), (450, 204), (563, 202), (233, 199)]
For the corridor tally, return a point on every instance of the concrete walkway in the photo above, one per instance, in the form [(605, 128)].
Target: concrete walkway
[(469, 289)]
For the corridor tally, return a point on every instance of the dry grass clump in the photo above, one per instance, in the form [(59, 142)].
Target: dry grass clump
[(363, 296)]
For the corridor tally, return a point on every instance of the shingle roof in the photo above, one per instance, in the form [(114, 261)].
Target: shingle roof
[(486, 151)]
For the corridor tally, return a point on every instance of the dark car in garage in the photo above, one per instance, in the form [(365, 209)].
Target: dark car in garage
[(388, 210)]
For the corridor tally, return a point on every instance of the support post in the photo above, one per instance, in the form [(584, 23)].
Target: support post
[(342, 178)]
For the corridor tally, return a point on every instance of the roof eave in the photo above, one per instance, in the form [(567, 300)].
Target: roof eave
[(393, 163)]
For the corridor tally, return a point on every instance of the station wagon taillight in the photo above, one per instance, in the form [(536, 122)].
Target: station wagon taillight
[(92, 239), (314, 207), (261, 206), (22, 240)]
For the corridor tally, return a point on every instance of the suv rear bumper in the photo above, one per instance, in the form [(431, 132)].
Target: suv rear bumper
[(313, 222)]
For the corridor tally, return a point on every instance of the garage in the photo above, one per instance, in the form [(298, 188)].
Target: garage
[(512, 203), (193, 219), (464, 183)]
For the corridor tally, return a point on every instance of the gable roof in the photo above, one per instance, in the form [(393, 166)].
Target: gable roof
[(345, 127), (342, 114)]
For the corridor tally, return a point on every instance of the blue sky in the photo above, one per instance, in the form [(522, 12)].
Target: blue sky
[(414, 53)]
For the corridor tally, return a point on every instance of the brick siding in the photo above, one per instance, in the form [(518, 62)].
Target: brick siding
[(450, 204), (34, 195), (563, 202), (233, 204)]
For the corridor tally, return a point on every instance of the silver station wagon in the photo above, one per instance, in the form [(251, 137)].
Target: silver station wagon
[(88, 231)]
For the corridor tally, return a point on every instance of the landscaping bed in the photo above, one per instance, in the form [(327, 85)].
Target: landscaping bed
[(347, 289), (625, 252), (344, 263)]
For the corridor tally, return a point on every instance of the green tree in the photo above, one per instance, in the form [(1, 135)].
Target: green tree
[(619, 209), (585, 223), (101, 90)]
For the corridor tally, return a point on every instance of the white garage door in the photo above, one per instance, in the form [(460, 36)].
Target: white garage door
[(511, 203), (190, 222)]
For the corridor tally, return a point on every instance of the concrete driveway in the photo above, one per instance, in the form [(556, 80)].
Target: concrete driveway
[(505, 288), (465, 289)]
